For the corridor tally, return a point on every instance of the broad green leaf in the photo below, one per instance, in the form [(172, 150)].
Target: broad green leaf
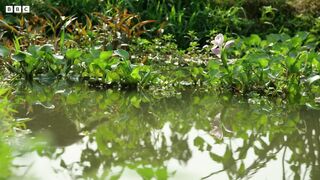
[(4, 52), (199, 142), (5, 160), (48, 48), (3, 91), (264, 62), (254, 40), (104, 55), (135, 101), (73, 53), (136, 74), (212, 64), (112, 76), (19, 57), (33, 50), (122, 53), (216, 157), (162, 174), (146, 173)]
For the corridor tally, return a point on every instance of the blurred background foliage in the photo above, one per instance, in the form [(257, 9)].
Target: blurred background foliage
[(205, 17)]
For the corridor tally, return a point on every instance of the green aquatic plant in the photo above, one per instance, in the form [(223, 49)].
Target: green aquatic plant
[(219, 45)]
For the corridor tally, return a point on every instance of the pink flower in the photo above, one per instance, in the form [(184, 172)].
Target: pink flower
[(217, 51), (218, 45)]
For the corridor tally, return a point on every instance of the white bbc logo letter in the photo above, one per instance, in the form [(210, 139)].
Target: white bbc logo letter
[(25, 9), (17, 9), (9, 9)]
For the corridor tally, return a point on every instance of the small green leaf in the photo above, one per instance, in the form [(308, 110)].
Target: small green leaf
[(105, 55), (146, 173), (122, 53), (136, 74), (3, 91), (19, 57), (254, 40), (263, 62), (47, 48), (4, 52), (199, 142), (73, 53), (135, 101), (216, 157)]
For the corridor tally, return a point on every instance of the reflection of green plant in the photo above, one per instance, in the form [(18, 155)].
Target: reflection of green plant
[(127, 129), (5, 159), (6, 124)]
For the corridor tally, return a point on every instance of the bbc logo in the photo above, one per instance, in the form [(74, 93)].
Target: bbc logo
[(17, 9)]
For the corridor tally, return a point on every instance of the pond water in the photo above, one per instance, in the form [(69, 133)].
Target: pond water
[(82, 133)]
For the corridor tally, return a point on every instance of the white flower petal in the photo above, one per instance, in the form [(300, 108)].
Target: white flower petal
[(218, 40), (228, 44)]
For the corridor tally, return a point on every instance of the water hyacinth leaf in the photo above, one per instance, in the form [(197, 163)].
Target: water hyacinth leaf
[(313, 79), (19, 57), (4, 52), (3, 91), (73, 53), (33, 50), (263, 62), (295, 41), (122, 53), (31, 61), (112, 77), (254, 40), (162, 173), (216, 157), (199, 142), (302, 35), (146, 173), (135, 101), (105, 55), (5, 159), (136, 74), (213, 65), (48, 48)]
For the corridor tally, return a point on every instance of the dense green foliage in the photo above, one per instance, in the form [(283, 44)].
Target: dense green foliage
[(178, 17), (153, 64), (279, 65)]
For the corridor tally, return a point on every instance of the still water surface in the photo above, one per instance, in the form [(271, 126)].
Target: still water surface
[(81, 133)]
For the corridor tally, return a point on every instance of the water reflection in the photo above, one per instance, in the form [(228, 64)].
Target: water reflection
[(111, 134)]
